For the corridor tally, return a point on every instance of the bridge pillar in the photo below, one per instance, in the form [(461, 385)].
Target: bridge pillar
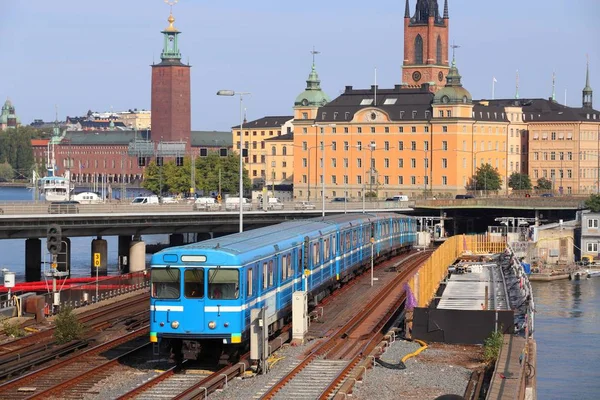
[(33, 260), (176, 239), (99, 257), (64, 257), (204, 236), (137, 255), (124, 244)]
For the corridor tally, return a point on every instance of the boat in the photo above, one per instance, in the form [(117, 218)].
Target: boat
[(87, 198), (54, 187)]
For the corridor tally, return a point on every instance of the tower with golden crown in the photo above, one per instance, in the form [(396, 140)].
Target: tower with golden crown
[(171, 93)]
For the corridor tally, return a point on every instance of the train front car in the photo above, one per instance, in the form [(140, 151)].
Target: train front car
[(196, 307)]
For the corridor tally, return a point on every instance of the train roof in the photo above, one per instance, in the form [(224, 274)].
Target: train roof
[(240, 248)]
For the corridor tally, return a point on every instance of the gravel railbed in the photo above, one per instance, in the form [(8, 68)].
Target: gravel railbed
[(254, 387), (428, 375)]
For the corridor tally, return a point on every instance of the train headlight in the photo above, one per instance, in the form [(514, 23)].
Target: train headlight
[(212, 324), (226, 324), (175, 324)]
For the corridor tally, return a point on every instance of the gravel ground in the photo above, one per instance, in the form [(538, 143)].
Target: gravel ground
[(441, 369), (253, 387)]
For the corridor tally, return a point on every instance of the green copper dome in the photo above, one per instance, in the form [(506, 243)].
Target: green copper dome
[(453, 92), (8, 116), (313, 95)]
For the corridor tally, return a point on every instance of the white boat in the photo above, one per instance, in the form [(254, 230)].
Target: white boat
[(54, 187), (87, 198)]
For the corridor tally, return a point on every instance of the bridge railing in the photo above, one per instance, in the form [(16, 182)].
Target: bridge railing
[(31, 208), (551, 202)]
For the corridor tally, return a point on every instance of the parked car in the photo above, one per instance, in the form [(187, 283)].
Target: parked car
[(340, 200), (233, 203), (206, 204), (464, 196), (397, 198), (304, 205), (146, 200), (274, 204), (547, 195), (63, 207)]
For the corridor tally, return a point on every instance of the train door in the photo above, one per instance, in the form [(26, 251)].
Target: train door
[(194, 290)]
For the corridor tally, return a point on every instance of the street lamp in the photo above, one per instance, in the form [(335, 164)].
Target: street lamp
[(323, 168), (241, 199)]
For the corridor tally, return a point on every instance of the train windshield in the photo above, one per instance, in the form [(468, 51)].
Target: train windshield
[(223, 284), (165, 283), (194, 283)]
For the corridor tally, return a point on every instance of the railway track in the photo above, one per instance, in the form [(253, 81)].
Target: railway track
[(325, 369), (72, 372), (29, 351)]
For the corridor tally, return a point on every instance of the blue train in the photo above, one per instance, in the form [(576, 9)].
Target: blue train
[(202, 293)]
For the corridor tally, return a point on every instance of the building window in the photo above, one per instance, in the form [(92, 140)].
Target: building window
[(386, 180), (413, 163), (413, 145), (592, 247), (449, 113), (441, 114), (418, 50), (359, 162), (426, 129), (400, 180), (386, 129), (569, 156), (592, 223), (400, 145), (413, 180), (386, 145), (386, 162), (445, 129), (400, 129), (304, 115), (333, 146), (359, 145), (401, 163), (372, 129), (303, 178), (304, 130), (426, 145), (304, 147), (569, 173), (273, 151), (346, 130), (346, 146), (358, 179), (444, 145), (444, 163), (444, 180), (359, 129), (553, 135), (552, 156)]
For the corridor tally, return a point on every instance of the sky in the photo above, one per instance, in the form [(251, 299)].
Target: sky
[(81, 55)]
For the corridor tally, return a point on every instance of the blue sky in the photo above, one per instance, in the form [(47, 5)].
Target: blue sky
[(87, 54)]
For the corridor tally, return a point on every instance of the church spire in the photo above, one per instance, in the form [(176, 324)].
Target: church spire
[(446, 16), (517, 92), (407, 10), (587, 90)]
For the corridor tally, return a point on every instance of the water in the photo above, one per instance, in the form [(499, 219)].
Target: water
[(567, 332), (13, 251)]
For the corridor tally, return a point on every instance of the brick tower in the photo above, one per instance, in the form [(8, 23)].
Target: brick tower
[(171, 95), (426, 45)]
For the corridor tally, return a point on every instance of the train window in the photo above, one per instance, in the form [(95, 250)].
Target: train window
[(354, 238), (165, 283), (249, 282), (223, 283), (271, 273), (284, 268), (193, 283), (300, 264), (326, 250), (289, 265), (347, 240), (264, 276), (334, 241)]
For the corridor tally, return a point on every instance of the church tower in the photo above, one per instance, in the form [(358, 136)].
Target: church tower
[(426, 45), (171, 94), (587, 90)]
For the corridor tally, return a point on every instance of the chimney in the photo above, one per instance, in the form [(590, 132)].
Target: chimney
[(348, 89)]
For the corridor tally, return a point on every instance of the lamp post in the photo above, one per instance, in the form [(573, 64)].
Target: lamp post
[(241, 198)]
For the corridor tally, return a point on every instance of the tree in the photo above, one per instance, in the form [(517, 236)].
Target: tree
[(519, 181), (486, 178), (593, 203), (16, 150), (174, 179), (543, 184), (6, 172)]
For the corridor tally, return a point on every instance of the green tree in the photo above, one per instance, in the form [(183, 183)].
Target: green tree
[(543, 184), (486, 178), (6, 172), (593, 203), (178, 179), (16, 150), (519, 181)]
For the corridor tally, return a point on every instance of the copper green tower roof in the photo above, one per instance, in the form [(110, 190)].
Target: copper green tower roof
[(453, 92), (313, 95)]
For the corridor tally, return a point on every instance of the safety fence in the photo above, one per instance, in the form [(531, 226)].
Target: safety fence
[(426, 281), (93, 292)]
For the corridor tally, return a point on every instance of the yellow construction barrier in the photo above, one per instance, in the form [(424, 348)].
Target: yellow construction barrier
[(426, 281)]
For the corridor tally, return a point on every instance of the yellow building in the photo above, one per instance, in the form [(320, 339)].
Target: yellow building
[(136, 120), (255, 134), (280, 160)]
